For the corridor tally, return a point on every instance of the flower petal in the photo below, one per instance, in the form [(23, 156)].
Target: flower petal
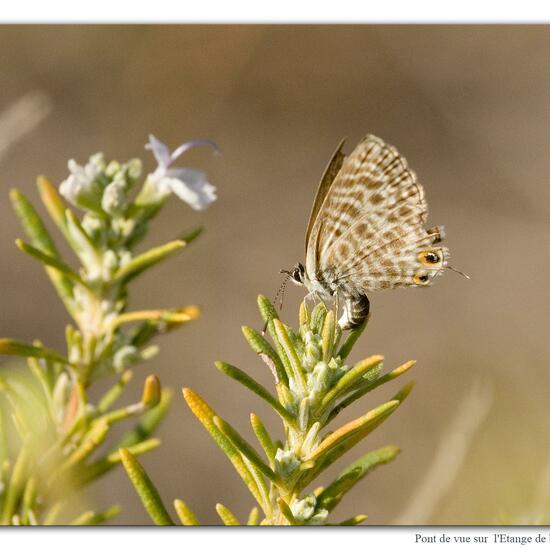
[(192, 187), (190, 144), (159, 150)]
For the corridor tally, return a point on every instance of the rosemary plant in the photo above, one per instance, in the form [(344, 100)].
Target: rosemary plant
[(313, 383), (51, 430)]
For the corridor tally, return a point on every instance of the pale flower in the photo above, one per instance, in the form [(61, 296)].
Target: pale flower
[(188, 184), (83, 188)]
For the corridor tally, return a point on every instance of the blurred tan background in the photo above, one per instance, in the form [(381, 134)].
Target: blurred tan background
[(469, 106)]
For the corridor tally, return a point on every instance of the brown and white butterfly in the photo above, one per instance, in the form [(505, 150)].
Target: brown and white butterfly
[(366, 230)]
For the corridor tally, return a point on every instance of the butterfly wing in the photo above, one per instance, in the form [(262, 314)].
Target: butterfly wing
[(329, 174), (369, 230)]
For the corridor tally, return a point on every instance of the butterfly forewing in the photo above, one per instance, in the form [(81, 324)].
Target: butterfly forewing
[(331, 171), (368, 232)]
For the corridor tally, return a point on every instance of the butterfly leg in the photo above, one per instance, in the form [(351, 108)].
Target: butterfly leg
[(312, 297), (336, 305)]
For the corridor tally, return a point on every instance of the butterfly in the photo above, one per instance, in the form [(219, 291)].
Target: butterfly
[(366, 231)]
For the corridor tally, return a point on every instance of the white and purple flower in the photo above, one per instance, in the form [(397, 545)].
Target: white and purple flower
[(188, 184)]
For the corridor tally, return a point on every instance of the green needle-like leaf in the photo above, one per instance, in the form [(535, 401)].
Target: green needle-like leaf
[(41, 240), (111, 396), (269, 315), (262, 347), (206, 415), (54, 204), (146, 260), (32, 223), (148, 422), (328, 333), (162, 316), (14, 347), (246, 449), (103, 465), (267, 311), (29, 496), (53, 512), (96, 518), (280, 352), (247, 381), (355, 520), (185, 514), (41, 375), (48, 260), (226, 515), (92, 440), (264, 438), (351, 377), (331, 495), (404, 392), (286, 343), (286, 511), (15, 485), (353, 336), (352, 433), (318, 317), (360, 426), (146, 490), (369, 386), (253, 517), (189, 236)]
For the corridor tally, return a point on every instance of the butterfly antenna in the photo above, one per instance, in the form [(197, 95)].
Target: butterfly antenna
[(459, 272), (280, 293)]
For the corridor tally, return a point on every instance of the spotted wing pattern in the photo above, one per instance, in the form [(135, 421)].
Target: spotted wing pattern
[(369, 231), (331, 171)]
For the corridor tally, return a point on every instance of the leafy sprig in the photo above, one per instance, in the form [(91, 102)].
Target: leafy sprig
[(53, 445), (313, 383)]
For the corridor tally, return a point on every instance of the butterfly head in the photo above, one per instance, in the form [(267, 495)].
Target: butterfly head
[(297, 274)]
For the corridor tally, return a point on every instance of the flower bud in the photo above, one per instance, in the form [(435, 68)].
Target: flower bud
[(151, 391), (303, 509), (84, 187), (125, 357), (285, 462), (114, 197)]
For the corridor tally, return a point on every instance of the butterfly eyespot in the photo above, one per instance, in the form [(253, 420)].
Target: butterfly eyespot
[(429, 257), (421, 279)]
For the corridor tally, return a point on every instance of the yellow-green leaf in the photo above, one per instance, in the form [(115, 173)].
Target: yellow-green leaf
[(15, 347), (206, 415), (226, 515), (146, 490), (146, 260), (185, 514)]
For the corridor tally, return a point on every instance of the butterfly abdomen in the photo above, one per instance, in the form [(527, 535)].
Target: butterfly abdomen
[(356, 310)]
